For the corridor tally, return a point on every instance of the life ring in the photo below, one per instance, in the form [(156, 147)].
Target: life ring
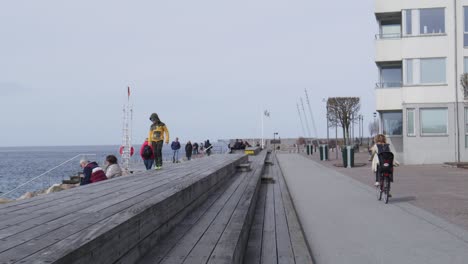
[(132, 150)]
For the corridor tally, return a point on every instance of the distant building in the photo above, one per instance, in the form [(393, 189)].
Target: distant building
[(421, 52)]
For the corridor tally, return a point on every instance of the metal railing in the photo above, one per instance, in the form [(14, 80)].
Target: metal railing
[(46, 173), (388, 36), (381, 85)]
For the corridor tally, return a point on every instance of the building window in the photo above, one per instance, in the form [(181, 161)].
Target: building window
[(409, 71), (409, 24), (465, 64), (425, 71), (429, 21), (390, 30), (434, 121), (392, 123), (432, 21), (390, 76), (433, 71), (465, 36), (410, 122)]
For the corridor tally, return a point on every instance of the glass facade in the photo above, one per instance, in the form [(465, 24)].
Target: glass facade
[(392, 123), (434, 121)]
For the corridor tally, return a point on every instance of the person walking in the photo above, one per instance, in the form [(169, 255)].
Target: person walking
[(208, 147), (147, 154), (188, 150), (195, 148), (156, 138), (175, 148)]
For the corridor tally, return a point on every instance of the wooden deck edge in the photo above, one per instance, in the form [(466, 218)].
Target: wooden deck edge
[(240, 249), (294, 208), (149, 224)]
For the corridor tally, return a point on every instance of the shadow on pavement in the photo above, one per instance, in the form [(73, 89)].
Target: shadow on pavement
[(403, 199)]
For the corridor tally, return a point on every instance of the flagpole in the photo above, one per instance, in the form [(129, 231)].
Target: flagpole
[(263, 139)]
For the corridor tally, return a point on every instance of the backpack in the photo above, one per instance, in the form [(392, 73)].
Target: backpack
[(147, 152)]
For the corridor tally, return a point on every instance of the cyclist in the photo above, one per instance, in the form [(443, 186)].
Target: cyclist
[(379, 146)]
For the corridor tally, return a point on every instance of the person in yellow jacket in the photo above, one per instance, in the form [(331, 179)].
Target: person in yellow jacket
[(156, 138)]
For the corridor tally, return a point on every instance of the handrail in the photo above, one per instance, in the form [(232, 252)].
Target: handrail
[(37, 177)]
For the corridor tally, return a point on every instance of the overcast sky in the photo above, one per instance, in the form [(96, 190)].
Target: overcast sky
[(207, 67)]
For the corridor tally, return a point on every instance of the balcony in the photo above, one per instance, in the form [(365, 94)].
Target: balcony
[(390, 75)]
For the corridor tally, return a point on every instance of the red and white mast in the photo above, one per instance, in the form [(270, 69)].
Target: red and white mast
[(126, 150)]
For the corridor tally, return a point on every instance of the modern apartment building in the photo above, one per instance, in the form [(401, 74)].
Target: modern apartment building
[(421, 53)]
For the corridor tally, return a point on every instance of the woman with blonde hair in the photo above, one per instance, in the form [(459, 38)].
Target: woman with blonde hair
[(379, 146)]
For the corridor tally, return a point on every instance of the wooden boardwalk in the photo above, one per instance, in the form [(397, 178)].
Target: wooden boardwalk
[(276, 235), (102, 222), (212, 210), (217, 232)]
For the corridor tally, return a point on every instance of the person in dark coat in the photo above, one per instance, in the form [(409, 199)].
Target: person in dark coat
[(92, 172), (175, 145), (208, 147), (188, 150), (195, 148)]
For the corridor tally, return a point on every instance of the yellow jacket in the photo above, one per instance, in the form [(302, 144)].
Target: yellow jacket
[(157, 132)]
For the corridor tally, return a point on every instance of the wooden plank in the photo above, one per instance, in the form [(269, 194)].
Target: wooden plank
[(126, 220), (302, 254), (83, 205), (184, 247), (254, 246), (72, 219), (203, 250), (283, 239), (231, 246), (195, 223), (269, 255), (25, 204)]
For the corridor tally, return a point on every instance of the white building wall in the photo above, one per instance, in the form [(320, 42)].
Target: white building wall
[(420, 149)]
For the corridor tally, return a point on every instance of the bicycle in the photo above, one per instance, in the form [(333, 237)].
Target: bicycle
[(385, 170)]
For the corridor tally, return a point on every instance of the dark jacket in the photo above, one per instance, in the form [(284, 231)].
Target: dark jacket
[(93, 173), (188, 149), (175, 145), (195, 146)]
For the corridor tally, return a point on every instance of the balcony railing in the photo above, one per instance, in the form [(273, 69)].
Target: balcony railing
[(388, 36), (382, 85)]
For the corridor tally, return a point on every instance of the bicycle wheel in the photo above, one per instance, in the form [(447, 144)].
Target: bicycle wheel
[(387, 189), (379, 192)]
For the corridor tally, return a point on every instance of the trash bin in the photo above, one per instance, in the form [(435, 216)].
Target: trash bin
[(348, 151), (308, 149), (323, 152)]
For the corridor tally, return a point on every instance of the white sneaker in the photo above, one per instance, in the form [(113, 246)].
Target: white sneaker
[(377, 184)]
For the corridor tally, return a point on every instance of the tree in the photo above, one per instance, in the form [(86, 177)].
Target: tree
[(464, 84), (374, 127), (301, 141), (343, 111)]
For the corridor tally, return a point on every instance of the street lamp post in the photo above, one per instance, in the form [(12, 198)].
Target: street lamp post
[(274, 141)]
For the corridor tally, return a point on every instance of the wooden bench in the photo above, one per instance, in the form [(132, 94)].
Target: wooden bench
[(104, 221), (217, 232), (276, 235)]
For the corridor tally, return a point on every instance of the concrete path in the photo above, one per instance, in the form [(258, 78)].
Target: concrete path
[(344, 223)]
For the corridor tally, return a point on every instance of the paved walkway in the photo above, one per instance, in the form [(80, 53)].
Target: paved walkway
[(344, 223)]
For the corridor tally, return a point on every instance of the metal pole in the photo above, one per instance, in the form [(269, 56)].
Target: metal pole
[(263, 139), (336, 141), (328, 132)]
